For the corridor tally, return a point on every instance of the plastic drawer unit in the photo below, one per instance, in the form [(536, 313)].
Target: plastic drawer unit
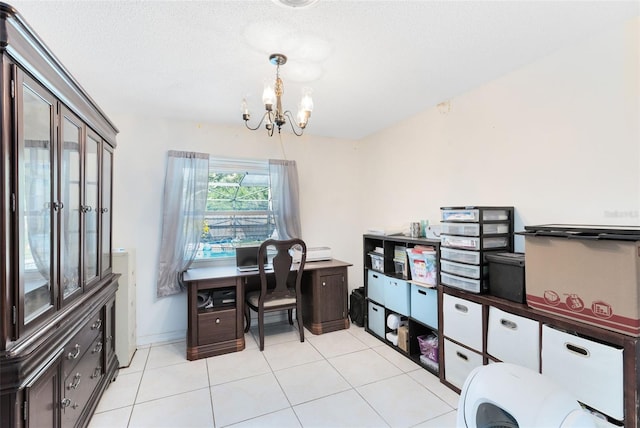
[(474, 215), (474, 229), (376, 319), (375, 286), (462, 321), (471, 285), (474, 242), (458, 363), (470, 271), (513, 339), (590, 370), (424, 305), (397, 295), (462, 256)]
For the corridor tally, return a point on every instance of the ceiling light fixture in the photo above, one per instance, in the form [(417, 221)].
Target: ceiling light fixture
[(277, 117)]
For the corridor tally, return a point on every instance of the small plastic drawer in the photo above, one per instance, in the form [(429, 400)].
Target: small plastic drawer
[(376, 319), (469, 271), (474, 215), (424, 305), (469, 229), (592, 371), (513, 339), (470, 257), (459, 362), (377, 262), (474, 243), (462, 321), (397, 295), (466, 284), (375, 286)]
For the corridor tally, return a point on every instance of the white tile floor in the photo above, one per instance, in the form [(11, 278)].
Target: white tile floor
[(346, 378)]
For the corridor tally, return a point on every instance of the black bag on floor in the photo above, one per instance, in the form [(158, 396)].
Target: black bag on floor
[(356, 306)]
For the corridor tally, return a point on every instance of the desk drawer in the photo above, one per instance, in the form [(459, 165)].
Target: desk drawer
[(216, 326)]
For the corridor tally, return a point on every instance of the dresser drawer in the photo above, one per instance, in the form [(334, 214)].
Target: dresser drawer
[(80, 383), (591, 371), (216, 326), (462, 321), (513, 339), (81, 342)]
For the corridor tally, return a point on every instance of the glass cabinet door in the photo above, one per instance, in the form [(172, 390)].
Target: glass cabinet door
[(91, 208), (107, 168), (70, 274), (36, 201)]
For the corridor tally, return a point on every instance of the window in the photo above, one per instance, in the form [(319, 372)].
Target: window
[(239, 209)]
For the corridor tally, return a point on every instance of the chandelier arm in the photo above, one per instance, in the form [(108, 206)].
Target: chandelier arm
[(246, 122), (291, 122)]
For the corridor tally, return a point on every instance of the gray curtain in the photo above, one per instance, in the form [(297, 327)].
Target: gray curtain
[(185, 199), (283, 175)]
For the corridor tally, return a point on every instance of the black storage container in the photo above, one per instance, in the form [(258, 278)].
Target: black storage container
[(506, 276), (356, 306)]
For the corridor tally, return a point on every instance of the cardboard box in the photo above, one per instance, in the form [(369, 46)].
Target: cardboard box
[(596, 281)]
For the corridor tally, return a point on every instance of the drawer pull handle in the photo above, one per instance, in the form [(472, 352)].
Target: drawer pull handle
[(74, 355), (76, 381), (509, 324), (373, 308), (577, 349), (97, 348), (96, 325), (65, 403), (217, 320), (462, 356), (422, 292), (461, 308), (375, 276), (96, 372)]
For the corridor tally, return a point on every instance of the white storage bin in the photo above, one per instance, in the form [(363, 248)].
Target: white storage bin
[(424, 305), (470, 257), (592, 371), (513, 339), (375, 286), (459, 362), (397, 295), (474, 243), (471, 285), (473, 215), (470, 271), (462, 321), (376, 319)]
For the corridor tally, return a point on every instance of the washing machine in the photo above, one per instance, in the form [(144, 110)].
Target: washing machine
[(511, 396)]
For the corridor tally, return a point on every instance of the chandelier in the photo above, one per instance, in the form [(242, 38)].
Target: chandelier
[(275, 116)]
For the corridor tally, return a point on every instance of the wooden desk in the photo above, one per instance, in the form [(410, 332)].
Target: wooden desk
[(220, 330)]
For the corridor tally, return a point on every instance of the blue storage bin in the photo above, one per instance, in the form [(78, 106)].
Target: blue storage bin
[(375, 286), (424, 305), (376, 319), (397, 295)]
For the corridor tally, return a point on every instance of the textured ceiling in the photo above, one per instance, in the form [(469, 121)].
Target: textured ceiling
[(370, 63)]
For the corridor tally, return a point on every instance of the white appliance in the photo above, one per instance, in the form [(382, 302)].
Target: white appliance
[(124, 263), (507, 395), (314, 254)]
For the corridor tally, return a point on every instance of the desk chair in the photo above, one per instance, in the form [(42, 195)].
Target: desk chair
[(281, 289)]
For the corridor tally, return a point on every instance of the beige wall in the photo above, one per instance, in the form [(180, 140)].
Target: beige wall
[(558, 139)]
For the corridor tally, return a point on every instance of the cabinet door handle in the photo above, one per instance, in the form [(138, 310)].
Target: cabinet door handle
[(217, 320), (509, 324), (324, 283), (577, 349), (461, 308), (74, 355), (65, 402), (104, 210), (96, 325)]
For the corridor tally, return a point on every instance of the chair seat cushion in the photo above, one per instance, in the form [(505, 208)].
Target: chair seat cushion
[(253, 297)]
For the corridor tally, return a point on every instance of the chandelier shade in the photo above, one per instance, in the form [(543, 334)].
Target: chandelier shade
[(275, 116)]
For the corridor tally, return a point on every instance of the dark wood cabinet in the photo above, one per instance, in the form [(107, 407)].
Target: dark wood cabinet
[(324, 299), (57, 309)]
